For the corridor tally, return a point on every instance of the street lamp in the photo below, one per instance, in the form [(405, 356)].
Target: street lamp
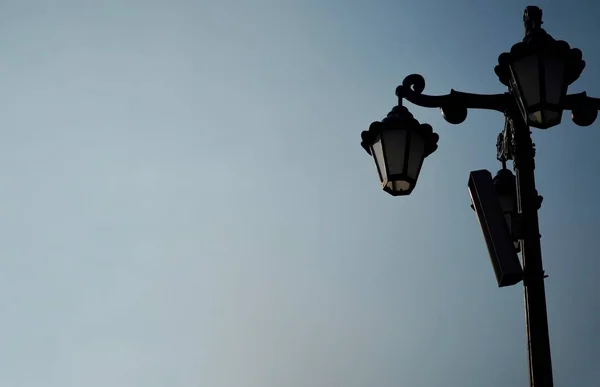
[(537, 73), (399, 144)]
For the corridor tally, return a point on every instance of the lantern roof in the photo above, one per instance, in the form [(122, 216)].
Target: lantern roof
[(400, 118)]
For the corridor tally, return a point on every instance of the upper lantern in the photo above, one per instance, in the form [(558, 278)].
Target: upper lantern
[(538, 72), (399, 144)]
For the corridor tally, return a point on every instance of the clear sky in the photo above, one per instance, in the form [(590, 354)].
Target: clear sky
[(185, 202)]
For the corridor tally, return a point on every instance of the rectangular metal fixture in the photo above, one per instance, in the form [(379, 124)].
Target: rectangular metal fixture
[(497, 236)]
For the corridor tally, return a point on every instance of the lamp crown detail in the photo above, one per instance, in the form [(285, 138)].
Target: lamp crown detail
[(532, 18)]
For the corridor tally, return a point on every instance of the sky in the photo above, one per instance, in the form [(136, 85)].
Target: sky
[(185, 202)]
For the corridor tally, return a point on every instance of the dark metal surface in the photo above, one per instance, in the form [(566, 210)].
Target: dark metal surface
[(496, 231), (455, 104), (538, 341), (584, 109), (532, 18)]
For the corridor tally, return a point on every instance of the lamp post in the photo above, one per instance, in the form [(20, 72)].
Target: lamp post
[(537, 73)]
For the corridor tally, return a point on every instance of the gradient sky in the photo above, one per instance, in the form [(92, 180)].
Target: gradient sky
[(185, 202)]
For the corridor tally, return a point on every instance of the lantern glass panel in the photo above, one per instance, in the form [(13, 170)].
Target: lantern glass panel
[(377, 152), (527, 78), (398, 186), (394, 144), (416, 156), (554, 79)]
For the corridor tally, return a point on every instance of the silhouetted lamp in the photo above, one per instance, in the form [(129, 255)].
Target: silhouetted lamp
[(399, 144), (538, 72)]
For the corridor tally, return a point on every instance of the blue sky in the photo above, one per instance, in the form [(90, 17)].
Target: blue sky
[(185, 202)]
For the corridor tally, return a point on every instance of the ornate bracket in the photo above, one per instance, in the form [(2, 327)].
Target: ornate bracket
[(504, 143), (454, 105)]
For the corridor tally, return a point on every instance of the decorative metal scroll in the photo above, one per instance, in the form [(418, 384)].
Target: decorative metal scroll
[(454, 106)]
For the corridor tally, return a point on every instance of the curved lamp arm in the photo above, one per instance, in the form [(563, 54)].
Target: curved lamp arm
[(453, 105)]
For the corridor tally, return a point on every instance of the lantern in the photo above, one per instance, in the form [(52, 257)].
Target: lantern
[(399, 144), (538, 72)]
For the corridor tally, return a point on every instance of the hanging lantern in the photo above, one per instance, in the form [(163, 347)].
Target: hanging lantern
[(399, 144)]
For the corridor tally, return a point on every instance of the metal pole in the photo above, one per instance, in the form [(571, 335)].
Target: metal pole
[(538, 341)]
